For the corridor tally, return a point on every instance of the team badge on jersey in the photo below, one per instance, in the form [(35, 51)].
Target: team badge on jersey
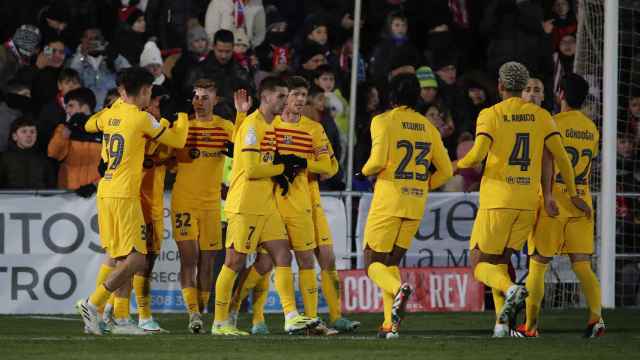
[(147, 163), (194, 153), (287, 139), (251, 138)]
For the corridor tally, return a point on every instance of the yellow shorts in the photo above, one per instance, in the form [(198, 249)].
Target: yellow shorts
[(246, 231), (561, 235), (121, 226), (155, 235), (203, 225), (383, 232), (321, 226), (494, 230), (300, 232)]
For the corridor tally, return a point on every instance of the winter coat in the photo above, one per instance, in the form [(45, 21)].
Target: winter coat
[(99, 80), (7, 116), (79, 157), (25, 169)]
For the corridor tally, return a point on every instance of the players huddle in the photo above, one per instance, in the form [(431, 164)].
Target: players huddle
[(535, 188)]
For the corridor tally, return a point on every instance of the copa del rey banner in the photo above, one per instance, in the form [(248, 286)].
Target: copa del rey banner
[(435, 290)]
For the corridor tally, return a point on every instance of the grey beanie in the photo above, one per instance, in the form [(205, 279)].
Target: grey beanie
[(26, 39), (513, 76), (197, 33)]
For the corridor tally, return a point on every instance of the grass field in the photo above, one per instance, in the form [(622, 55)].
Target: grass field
[(424, 336)]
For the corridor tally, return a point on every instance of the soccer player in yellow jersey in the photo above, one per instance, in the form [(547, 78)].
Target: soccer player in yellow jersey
[(512, 136), (195, 200), (404, 145), (126, 130), (560, 229), (253, 218)]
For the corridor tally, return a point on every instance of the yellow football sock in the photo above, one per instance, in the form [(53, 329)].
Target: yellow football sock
[(387, 303), (224, 288), (121, 308), (309, 288), (535, 287), (204, 299), (103, 273), (492, 276), (190, 297), (331, 290), (384, 277), (498, 296), (142, 288), (100, 296), (284, 286), (260, 294), (590, 288), (253, 277)]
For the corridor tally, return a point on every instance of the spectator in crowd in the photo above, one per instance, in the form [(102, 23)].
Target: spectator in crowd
[(242, 52), (441, 118), (312, 55), (17, 102), (22, 167), (129, 41), (112, 96), (466, 180), (16, 55), (341, 61), (316, 29), (563, 21), (633, 117), (393, 38), (368, 106), (91, 64), (53, 112), (77, 151), (54, 23), (151, 59), (274, 54), (336, 103), (563, 61), (50, 63), (186, 69), (170, 21), (428, 87), (479, 98), (246, 15)]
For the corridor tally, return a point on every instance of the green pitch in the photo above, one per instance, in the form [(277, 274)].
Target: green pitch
[(424, 336)]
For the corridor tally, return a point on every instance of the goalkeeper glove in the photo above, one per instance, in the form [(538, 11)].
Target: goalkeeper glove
[(228, 151), (282, 181)]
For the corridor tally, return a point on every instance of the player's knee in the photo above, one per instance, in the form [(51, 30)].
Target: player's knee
[(305, 259), (326, 259), (282, 258), (188, 262), (263, 265), (235, 261)]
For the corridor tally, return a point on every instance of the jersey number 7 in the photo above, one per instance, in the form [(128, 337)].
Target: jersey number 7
[(420, 160)]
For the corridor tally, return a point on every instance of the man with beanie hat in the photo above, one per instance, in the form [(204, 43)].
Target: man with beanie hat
[(511, 135), (17, 53), (311, 55), (197, 53)]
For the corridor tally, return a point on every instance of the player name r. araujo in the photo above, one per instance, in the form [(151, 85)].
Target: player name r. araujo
[(579, 134), (519, 118), (413, 126)]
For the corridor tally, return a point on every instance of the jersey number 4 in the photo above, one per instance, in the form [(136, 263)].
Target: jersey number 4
[(420, 160), (115, 149), (520, 153)]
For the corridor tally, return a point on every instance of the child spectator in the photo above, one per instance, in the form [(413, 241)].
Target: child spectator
[(242, 53), (274, 54), (563, 21), (22, 167), (77, 151), (336, 103), (428, 87), (312, 55), (151, 59), (394, 37), (16, 103), (563, 61)]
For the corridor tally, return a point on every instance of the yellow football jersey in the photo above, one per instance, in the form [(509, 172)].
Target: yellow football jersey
[(306, 139), (580, 137), (126, 130), (200, 164), (314, 185), (404, 144), (251, 190), (518, 131), (153, 174)]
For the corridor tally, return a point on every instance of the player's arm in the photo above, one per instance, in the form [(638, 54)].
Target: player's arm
[(379, 149), (175, 136), (484, 139), (442, 162), (321, 163), (94, 123), (256, 169), (553, 142), (547, 183)]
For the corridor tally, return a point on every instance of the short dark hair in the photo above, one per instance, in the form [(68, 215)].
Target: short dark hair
[(223, 36), (324, 69), (575, 89), (270, 83), (68, 74), (53, 39), (314, 90), (295, 82), (205, 83), (84, 96), (133, 79), (22, 121), (404, 90)]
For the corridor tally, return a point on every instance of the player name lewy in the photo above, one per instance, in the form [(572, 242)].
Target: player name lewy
[(519, 118)]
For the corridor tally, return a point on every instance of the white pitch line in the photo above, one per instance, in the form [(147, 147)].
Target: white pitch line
[(44, 317)]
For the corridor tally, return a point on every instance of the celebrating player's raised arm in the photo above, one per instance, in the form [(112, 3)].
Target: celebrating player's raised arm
[(175, 136), (444, 169), (482, 144), (379, 147)]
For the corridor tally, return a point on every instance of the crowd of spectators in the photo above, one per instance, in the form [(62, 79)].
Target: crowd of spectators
[(59, 60)]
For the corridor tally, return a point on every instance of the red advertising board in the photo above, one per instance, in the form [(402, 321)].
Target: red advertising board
[(435, 290)]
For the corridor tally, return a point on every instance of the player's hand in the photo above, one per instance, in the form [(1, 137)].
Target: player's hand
[(282, 181), (228, 151), (290, 172), (242, 101), (581, 205), (550, 206), (86, 190)]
